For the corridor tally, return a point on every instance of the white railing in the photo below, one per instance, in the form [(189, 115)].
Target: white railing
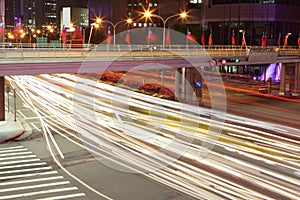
[(50, 52)]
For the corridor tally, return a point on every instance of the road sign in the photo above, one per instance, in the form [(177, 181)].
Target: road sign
[(198, 84), (213, 63)]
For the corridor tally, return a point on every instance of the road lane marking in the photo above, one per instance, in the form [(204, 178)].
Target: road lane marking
[(23, 165), (34, 126), (19, 161), (16, 147), (31, 180), (18, 157), (28, 175), (13, 150), (26, 170), (22, 114), (15, 154), (63, 197), (35, 186), (38, 192)]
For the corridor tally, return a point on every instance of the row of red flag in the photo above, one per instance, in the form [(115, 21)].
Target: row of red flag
[(151, 37)]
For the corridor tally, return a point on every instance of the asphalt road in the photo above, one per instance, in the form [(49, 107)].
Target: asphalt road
[(252, 159)]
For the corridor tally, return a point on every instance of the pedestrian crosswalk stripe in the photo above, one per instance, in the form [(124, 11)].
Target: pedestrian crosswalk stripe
[(18, 157), (14, 154), (38, 192), (28, 175), (34, 186), (25, 170), (63, 196), (15, 147), (19, 161), (13, 150), (24, 175), (23, 165), (31, 180)]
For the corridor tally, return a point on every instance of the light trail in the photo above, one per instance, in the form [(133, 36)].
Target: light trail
[(250, 160)]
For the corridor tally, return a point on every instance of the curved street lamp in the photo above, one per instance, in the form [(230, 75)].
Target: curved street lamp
[(96, 25), (128, 21), (148, 14)]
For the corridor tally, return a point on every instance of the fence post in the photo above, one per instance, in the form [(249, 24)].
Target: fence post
[(15, 106)]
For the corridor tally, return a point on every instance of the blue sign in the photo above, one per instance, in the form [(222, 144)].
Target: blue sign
[(198, 84)]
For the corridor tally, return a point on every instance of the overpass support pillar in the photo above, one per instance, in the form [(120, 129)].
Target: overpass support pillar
[(2, 99), (185, 90), (296, 90), (289, 81)]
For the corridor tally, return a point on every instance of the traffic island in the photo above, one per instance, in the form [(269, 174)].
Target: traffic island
[(10, 129)]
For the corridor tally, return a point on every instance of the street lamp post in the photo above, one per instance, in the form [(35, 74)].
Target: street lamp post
[(129, 21), (148, 14), (91, 31)]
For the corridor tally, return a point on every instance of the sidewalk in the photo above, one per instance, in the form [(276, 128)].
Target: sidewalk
[(10, 129)]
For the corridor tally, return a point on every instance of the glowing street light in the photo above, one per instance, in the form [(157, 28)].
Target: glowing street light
[(96, 25), (148, 14), (128, 21)]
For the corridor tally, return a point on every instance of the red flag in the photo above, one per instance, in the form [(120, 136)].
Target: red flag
[(243, 40), (127, 37), (63, 34), (202, 39), (285, 41), (210, 39), (264, 40), (190, 36), (299, 40), (1, 29), (77, 34), (279, 40), (109, 36), (233, 42), (168, 37), (151, 37)]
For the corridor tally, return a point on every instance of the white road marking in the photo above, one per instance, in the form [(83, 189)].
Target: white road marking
[(31, 180), (64, 196), (34, 126), (22, 114), (16, 147), (19, 161), (13, 150), (34, 186), (15, 154), (28, 175), (18, 157), (26, 170), (23, 165), (38, 192)]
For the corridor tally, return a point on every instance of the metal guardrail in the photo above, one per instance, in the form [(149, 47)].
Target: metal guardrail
[(31, 53)]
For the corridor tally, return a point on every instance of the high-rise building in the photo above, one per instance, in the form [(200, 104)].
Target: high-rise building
[(32, 13), (118, 10), (73, 16), (255, 17), (72, 4)]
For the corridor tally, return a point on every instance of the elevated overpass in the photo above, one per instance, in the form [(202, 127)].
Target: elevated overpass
[(33, 61), (21, 61)]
